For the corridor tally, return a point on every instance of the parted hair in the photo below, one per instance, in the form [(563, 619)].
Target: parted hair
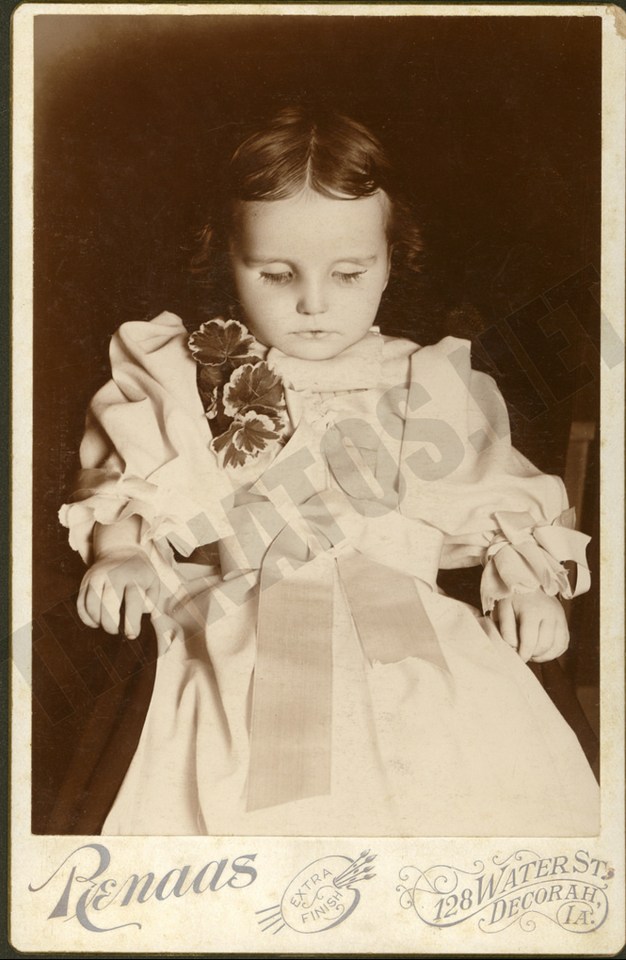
[(300, 147)]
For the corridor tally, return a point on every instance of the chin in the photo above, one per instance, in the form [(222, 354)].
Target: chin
[(316, 351)]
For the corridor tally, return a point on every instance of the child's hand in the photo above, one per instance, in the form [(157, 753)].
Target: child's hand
[(124, 575), (534, 624)]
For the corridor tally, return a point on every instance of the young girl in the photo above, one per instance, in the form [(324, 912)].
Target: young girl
[(278, 492)]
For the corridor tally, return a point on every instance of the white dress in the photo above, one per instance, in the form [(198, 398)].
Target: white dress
[(316, 681)]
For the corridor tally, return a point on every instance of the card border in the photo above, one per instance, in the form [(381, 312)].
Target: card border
[(612, 381)]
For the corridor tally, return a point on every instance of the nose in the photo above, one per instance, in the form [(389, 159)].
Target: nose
[(312, 299)]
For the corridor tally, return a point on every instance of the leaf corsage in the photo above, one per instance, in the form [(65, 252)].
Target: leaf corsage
[(243, 400)]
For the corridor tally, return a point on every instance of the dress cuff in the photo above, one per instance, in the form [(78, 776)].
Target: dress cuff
[(107, 497), (525, 556)]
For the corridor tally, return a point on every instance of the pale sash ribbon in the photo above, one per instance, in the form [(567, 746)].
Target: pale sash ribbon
[(378, 558)]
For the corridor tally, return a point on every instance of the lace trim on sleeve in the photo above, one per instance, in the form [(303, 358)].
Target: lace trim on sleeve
[(106, 497), (525, 556)]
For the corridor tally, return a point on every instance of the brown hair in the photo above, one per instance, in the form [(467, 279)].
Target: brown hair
[(303, 147)]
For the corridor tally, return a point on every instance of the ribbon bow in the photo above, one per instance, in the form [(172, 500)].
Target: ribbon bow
[(527, 555), (373, 547)]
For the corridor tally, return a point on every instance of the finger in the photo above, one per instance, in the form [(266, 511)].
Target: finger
[(82, 606), (153, 594), (93, 603), (544, 646), (554, 641), (561, 633), (115, 582), (134, 608), (110, 610), (528, 635), (507, 623)]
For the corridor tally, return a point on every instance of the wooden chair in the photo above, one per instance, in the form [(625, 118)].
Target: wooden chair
[(578, 702)]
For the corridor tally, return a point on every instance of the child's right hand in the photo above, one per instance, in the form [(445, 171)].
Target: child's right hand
[(127, 575)]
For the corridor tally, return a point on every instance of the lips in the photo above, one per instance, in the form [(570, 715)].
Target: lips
[(314, 334)]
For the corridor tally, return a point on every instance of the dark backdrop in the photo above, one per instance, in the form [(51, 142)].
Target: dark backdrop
[(494, 123)]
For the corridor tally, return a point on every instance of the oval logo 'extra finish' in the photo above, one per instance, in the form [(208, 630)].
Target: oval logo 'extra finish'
[(320, 896)]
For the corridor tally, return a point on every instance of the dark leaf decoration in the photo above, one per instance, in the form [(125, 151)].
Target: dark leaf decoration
[(210, 378), (246, 437), (222, 342), (242, 399), (252, 388)]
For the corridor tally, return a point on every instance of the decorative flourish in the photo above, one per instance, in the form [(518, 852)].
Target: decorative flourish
[(521, 888), (360, 869), (242, 399)]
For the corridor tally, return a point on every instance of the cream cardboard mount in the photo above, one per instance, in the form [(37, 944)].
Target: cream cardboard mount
[(429, 895)]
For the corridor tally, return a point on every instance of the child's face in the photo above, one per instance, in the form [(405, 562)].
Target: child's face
[(310, 270)]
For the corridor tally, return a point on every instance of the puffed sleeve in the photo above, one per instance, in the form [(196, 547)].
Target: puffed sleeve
[(460, 473), (145, 451)]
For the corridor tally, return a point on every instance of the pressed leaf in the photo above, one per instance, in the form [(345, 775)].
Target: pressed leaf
[(210, 376), (251, 388), (246, 437), (222, 341), (243, 400)]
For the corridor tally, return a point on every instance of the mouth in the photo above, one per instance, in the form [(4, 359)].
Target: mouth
[(314, 334)]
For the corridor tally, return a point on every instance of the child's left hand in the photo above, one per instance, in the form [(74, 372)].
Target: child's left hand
[(534, 624)]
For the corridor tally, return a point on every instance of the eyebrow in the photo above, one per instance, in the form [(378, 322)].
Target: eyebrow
[(260, 261)]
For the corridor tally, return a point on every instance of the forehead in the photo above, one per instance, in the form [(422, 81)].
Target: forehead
[(310, 222)]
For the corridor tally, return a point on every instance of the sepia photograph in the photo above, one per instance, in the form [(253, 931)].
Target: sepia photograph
[(323, 363)]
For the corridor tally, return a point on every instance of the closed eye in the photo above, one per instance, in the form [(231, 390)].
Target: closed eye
[(276, 278), (286, 276), (352, 277)]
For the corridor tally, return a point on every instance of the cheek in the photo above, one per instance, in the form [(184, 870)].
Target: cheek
[(371, 296), (255, 299), (264, 301), (263, 309)]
